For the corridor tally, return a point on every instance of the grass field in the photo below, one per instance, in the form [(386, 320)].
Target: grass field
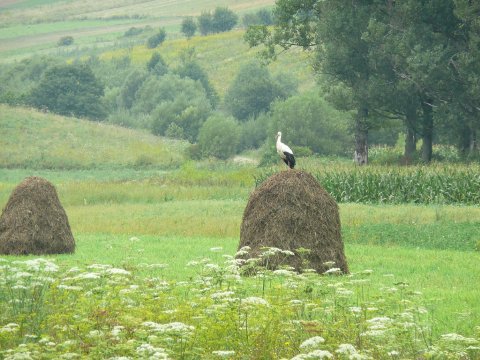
[(153, 226), (145, 229)]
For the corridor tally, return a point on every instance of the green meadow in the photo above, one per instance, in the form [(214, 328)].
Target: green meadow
[(154, 274), (136, 204)]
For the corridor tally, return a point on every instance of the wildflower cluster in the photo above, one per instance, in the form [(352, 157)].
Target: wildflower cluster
[(103, 311)]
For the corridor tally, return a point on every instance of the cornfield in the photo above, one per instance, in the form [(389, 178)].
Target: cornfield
[(459, 184)]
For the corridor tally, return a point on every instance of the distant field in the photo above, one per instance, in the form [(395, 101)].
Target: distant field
[(29, 26)]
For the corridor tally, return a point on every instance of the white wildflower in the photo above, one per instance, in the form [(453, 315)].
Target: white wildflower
[(117, 330), (216, 249), (333, 271), (329, 263), (253, 300), (134, 239), (346, 349), (393, 353), (117, 271), (283, 272), (222, 295), (69, 288), (317, 354), (458, 338), (151, 351), (224, 353), (243, 251), (10, 327), (41, 265), (87, 276), (312, 343), (177, 328), (212, 267), (379, 322)]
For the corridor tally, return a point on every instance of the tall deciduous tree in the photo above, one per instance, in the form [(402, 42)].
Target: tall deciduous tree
[(71, 90)]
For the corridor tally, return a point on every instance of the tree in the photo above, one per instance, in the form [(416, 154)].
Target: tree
[(71, 90), (157, 65), (157, 39), (205, 21), (129, 89), (223, 20), (189, 27), (190, 68), (339, 27), (311, 122), (252, 92), (170, 99)]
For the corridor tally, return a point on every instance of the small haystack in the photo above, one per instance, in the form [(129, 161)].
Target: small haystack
[(290, 210), (34, 221)]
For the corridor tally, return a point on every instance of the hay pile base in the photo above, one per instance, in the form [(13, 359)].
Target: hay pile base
[(290, 210), (34, 221)]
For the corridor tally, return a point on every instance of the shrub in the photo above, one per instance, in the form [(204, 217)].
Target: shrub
[(133, 31), (307, 120), (157, 39), (219, 137), (65, 41), (188, 27)]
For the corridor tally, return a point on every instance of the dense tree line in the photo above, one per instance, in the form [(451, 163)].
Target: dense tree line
[(418, 61)]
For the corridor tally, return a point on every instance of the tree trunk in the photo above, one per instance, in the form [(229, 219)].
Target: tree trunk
[(410, 140), (464, 140), (361, 137), (427, 131)]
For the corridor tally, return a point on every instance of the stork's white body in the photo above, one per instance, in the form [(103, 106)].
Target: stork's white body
[(285, 152)]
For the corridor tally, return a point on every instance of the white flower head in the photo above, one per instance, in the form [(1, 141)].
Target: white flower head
[(312, 343), (224, 354), (333, 271), (346, 349)]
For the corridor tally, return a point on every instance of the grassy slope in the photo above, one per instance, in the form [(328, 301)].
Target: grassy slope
[(36, 140), (221, 55), (36, 26)]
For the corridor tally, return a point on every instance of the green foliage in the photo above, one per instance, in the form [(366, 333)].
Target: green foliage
[(252, 92), (189, 68), (260, 17), (393, 185), (188, 27), (222, 19), (65, 41), (71, 90), (129, 89), (133, 31), (254, 132), (307, 120), (157, 65), (157, 39), (171, 99), (219, 137)]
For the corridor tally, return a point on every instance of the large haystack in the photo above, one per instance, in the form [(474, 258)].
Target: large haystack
[(34, 221), (290, 210)]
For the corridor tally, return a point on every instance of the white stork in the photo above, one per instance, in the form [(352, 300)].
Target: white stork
[(285, 152)]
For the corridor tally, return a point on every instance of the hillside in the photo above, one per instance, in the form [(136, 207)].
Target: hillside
[(36, 26), (36, 140)]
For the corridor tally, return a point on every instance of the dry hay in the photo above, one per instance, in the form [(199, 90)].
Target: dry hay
[(290, 210), (34, 221)]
